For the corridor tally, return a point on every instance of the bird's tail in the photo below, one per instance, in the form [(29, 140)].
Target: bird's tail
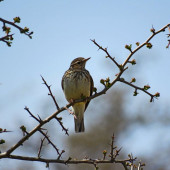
[(79, 125), (79, 116)]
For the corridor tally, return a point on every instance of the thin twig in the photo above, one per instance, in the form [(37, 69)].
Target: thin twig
[(112, 148), (61, 124), (138, 88), (48, 139), (41, 145), (16, 26), (50, 93), (27, 109), (140, 46), (105, 50)]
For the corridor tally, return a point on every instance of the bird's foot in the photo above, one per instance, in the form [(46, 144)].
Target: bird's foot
[(71, 112)]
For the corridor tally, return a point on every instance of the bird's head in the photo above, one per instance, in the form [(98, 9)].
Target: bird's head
[(79, 63)]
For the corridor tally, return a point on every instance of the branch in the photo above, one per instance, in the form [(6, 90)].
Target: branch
[(61, 124), (123, 66), (9, 37), (45, 135), (4, 130), (41, 145), (50, 93), (68, 161), (105, 50), (27, 109), (139, 88), (145, 43)]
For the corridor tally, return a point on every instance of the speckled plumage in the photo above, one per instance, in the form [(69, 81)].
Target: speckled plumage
[(77, 82)]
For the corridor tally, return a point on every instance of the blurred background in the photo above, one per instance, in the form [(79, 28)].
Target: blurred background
[(62, 32)]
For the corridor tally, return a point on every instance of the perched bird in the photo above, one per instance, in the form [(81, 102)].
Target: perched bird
[(76, 84)]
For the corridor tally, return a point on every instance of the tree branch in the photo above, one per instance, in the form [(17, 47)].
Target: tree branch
[(50, 93), (9, 37), (138, 88)]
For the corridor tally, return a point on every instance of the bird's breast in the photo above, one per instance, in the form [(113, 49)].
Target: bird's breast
[(76, 85)]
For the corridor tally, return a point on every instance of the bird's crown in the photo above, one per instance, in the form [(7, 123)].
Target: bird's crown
[(79, 63)]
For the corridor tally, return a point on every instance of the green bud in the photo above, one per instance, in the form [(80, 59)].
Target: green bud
[(104, 152), (152, 30), (133, 80), (11, 38), (26, 29), (102, 81), (135, 93), (133, 62), (7, 38), (2, 141), (129, 47), (108, 84), (137, 43), (157, 94), (149, 45), (146, 87), (23, 128), (94, 89), (8, 30), (122, 79), (17, 20), (121, 67), (108, 79), (9, 43)]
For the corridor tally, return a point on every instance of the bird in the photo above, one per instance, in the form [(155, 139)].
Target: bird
[(77, 83)]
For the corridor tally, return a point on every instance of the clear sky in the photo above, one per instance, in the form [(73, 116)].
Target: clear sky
[(62, 32)]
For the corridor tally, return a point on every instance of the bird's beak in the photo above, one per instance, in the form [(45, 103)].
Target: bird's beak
[(86, 59)]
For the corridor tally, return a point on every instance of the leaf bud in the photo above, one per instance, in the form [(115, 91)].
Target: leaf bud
[(146, 87)]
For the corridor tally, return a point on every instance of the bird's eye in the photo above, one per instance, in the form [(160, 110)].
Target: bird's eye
[(78, 62)]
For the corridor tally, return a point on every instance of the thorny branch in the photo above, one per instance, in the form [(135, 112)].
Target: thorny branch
[(41, 145), (45, 135), (50, 93), (140, 88), (9, 37), (107, 85), (123, 67)]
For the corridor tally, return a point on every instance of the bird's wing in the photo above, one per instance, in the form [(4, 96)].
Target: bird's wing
[(62, 82), (91, 91)]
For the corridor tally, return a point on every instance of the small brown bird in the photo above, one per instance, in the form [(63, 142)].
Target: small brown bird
[(77, 83)]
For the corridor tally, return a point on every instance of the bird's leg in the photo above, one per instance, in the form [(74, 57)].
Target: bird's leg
[(70, 111)]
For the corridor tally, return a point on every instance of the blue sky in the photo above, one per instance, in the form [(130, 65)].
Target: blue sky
[(62, 32)]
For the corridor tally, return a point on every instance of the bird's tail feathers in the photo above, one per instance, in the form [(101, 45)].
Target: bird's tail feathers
[(79, 125), (79, 117)]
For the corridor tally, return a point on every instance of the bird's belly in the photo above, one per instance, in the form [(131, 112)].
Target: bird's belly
[(76, 89)]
